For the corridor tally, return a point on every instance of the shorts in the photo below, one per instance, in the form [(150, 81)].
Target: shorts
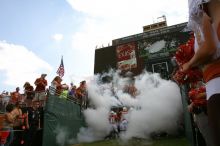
[(212, 87), (30, 96), (40, 96)]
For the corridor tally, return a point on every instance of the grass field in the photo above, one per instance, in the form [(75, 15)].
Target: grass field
[(139, 142)]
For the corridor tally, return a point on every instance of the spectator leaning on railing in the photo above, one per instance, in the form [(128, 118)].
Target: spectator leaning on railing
[(40, 90)]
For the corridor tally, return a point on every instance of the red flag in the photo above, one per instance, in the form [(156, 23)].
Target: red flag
[(60, 70)]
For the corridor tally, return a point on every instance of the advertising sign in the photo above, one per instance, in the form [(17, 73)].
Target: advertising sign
[(126, 57)]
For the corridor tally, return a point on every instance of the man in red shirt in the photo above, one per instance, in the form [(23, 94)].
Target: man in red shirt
[(40, 90)]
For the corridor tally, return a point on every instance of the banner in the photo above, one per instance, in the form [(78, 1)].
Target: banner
[(126, 56)]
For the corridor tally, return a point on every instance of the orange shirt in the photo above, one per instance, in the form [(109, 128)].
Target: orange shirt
[(40, 84), (211, 70)]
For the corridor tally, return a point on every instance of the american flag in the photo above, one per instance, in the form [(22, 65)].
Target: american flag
[(60, 70)]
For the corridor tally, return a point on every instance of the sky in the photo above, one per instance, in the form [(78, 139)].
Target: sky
[(35, 34)]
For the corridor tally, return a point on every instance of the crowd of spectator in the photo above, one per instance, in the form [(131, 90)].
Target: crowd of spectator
[(21, 118)]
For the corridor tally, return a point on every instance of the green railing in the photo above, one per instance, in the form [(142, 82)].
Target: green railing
[(62, 121)]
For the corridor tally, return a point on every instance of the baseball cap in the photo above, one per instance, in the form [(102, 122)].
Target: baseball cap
[(44, 75)]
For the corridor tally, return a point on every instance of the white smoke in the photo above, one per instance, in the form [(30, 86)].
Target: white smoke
[(160, 107), (98, 125), (61, 135), (156, 108)]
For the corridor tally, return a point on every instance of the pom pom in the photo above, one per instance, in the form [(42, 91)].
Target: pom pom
[(192, 93), (183, 54), (196, 98)]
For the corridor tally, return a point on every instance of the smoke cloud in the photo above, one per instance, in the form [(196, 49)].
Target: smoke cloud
[(156, 108), (61, 135)]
